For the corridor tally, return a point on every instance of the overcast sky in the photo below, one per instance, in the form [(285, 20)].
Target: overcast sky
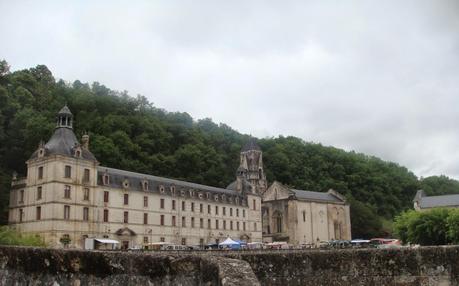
[(378, 77)]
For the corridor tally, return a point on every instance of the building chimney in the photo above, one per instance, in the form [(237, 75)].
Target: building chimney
[(85, 141)]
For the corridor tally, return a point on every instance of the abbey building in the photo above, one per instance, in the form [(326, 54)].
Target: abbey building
[(67, 196)]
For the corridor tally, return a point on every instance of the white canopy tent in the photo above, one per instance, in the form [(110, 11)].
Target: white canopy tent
[(230, 243)]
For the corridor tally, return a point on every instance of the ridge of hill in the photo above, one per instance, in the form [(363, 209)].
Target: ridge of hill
[(131, 133)]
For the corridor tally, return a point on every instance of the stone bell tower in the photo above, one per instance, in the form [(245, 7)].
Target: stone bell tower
[(251, 167)]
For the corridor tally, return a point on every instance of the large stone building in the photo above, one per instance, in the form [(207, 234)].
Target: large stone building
[(67, 197), (423, 202), (304, 217)]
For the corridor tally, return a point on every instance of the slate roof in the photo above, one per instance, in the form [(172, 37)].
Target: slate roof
[(65, 110), (63, 142), (315, 196), (117, 177), (251, 145), (439, 201)]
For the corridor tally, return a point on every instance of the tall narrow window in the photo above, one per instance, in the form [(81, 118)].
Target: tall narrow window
[(126, 199), (161, 203), (224, 224), (200, 208), (145, 201), (237, 212), (106, 179), (67, 212), (231, 225), (183, 205), (304, 216), (201, 223), (40, 173), (38, 216), (192, 207), (145, 218), (183, 241), (126, 217), (68, 172), (216, 210), (208, 209), (174, 223), (243, 226), (86, 194), (21, 196), (85, 214), (255, 226), (173, 204), (39, 193), (216, 224), (209, 225), (231, 211), (162, 219), (192, 222), (67, 191), (254, 204), (243, 213), (105, 196), (224, 210), (86, 176), (105, 215), (21, 215), (183, 221), (237, 225)]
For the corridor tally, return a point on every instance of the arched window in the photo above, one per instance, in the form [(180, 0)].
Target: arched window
[(277, 218)]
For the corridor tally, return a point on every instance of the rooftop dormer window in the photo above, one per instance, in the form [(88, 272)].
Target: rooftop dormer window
[(161, 189), (172, 188), (125, 184), (182, 193), (41, 152), (77, 153), (145, 185), (106, 179)]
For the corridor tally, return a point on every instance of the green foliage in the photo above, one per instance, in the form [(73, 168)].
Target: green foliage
[(437, 226), (9, 236), (439, 185), (130, 133)]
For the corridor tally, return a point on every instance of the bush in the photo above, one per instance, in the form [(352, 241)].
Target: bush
[(9, 236)]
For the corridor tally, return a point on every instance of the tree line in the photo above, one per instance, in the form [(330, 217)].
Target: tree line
[(131, 133)]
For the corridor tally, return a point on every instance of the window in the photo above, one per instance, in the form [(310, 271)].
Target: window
[(243, 226), (145, 218), (38, 216), (231, 211), (279, 223), (304, 216), (216, 224), (145, 239), (254, 205), (183, 241), (85, 214), (255, 226), (67, 192), (209, 224), (201, 223), (243, 213), (105, 196), (224, 211), (21, 196), (126, 199), (231, 225), (192, 207), (86, 176), (200, 208), (173, 221), (21, 215), (68, 172), (67, 212), (216, 210), (40, 173), (208, 209), (145, 185), (173, 204), (224, 224), (237, 212), (183, 221), (201, 242), (161, 203), (106, 180), (145, 201), (237, 225), (39, 193), (161, 222), (86, 194), (126, 217), (192, 222), (105, 215), (162, 239), (183, 205)]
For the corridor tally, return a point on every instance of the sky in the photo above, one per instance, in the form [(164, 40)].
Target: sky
[(377, 77)]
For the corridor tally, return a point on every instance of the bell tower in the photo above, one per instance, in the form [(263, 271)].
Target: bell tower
[(64, 118), (251, 167)]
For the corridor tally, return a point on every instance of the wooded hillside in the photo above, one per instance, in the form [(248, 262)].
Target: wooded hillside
[(131, 133)]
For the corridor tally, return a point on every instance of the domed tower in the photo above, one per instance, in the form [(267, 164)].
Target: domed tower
[(250, 174)]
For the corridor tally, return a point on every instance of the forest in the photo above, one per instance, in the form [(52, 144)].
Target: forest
[(129, 132)]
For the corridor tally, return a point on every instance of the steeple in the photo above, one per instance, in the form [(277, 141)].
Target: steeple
[(64, 118), (251, 167)]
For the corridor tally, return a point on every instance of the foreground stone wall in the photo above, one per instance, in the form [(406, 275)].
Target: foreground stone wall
[(422, 266)]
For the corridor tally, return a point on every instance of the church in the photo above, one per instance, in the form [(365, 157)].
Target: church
[(68, 197)]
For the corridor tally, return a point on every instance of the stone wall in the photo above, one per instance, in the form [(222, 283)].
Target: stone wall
[(422, 266)]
